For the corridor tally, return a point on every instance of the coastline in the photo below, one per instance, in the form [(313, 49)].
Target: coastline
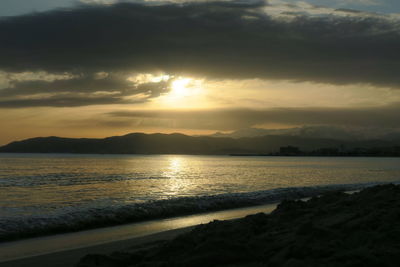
[(71, 257), (107, 239), (15, 229), (334, 229), (341, 217)]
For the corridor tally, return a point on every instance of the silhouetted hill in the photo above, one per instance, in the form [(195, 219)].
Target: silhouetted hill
[(139, 143)]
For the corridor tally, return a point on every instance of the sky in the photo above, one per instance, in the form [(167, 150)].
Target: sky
[(96, 68)]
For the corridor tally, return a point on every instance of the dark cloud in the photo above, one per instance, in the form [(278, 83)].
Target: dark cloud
[(386, 6), (232, 119), (79, 91), (349, 10), (216, 40), (62, 101)]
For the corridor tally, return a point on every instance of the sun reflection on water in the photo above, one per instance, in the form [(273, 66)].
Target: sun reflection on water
[(176, 182), (175, 166)]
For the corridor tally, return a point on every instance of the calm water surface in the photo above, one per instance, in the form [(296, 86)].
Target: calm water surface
[(40, 185), (34, 181)]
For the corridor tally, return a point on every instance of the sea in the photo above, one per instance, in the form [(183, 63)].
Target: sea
[(42, 194)]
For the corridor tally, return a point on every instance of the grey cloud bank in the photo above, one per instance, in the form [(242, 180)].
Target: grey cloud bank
[(384, 117), (215, 40)]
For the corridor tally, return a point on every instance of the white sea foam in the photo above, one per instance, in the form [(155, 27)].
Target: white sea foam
[(73, 220)]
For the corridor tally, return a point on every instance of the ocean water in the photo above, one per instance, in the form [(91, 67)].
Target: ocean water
[(49, 193)]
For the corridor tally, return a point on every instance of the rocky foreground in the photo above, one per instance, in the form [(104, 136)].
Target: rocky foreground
[(336, 229)]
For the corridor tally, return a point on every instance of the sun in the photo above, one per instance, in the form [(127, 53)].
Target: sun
[(180, 87), (184, 92)]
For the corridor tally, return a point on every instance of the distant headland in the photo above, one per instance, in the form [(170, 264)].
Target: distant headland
[(271, 145)]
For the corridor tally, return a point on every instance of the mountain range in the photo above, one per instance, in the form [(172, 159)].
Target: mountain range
[(140, 143)]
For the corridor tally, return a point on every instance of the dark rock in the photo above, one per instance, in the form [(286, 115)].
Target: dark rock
[(336, 229)]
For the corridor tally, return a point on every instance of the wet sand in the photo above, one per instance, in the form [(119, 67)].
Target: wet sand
[(71, 257), (335, 229), (67, 249)]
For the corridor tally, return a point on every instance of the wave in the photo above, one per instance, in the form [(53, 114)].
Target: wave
[(18, 228)]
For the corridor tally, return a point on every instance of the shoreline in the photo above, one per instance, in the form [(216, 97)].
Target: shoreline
[(128, 239), (71, 257), (334, 229), (41, 248), (14, 230)]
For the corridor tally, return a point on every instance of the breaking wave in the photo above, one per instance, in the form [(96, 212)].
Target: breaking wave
[(17, 228)]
